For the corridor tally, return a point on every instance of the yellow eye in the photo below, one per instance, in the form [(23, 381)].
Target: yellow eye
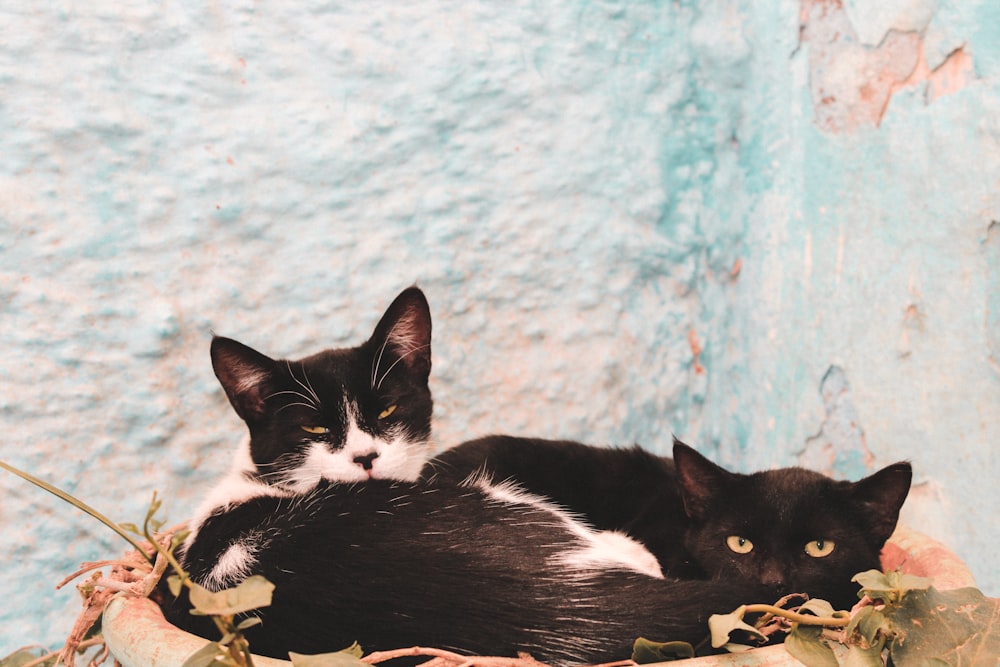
[(820, 548), (315, 430), (740, 545), (388, 411)]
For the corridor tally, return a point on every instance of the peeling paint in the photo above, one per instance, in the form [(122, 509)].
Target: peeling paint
[(839, 448), (853, 82)]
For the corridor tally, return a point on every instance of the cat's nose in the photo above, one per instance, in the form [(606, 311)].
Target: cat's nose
[(366, 461), (773, 575)]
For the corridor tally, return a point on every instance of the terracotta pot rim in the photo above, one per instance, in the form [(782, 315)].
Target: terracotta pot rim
[(138, 635)]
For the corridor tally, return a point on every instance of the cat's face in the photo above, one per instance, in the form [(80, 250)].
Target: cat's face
[(793, 529), (341, 415)]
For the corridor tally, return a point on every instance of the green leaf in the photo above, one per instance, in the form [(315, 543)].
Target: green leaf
[(354, 649), (348, 657), (805, 644), (889, 586), (248, 623), (130, 527), (864, 657), (874, 580), (722, 625), (23, 657), (645, 651), (869, 622), (175, 584), (253, 593), (178, 538), (210, 655), (958, 627), (817, 607)]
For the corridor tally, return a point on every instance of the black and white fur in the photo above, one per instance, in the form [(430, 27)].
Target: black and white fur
[(344, 415), (481, 568), (685, 509)]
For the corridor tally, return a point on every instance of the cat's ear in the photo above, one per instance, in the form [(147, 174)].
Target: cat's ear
[(881, 495), (700, 480), (403, 335), (245, 374)]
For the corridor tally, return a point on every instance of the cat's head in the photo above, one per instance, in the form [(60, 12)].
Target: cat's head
[(343, 414), (794, 529)]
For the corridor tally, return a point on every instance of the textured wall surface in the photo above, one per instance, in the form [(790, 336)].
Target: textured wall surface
[(767, 227)]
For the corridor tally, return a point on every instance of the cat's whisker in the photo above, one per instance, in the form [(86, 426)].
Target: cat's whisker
[(312, 392), (388, 370), (313, 404), (377, 361), (305, 405), (288, 364)]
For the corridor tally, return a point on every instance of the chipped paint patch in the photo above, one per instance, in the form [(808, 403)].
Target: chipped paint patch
[(839, 449), (853, 82)]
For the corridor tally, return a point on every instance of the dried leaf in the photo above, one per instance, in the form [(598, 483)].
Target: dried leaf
[(958, 627), (253, 593), (805, 644), (645, 651)]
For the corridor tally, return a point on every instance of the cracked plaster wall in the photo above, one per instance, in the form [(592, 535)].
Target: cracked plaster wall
[(768, 229)]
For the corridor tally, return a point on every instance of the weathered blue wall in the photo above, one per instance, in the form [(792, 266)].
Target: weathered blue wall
[(768, 228)]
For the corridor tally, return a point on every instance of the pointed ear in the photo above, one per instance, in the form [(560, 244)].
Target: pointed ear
[(246, 375), (404, 332), (699, 479), (880, 497)]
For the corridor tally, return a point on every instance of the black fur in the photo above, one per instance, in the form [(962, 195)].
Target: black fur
[(684, 509), (396, 564)]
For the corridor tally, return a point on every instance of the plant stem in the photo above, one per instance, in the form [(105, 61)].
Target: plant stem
[(801, 619), (79, 504)]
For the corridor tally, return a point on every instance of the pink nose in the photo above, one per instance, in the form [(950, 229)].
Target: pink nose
[(366, 461)]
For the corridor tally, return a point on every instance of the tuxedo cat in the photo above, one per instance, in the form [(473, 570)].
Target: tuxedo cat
[(356, 556), (342, 415), (479, 568), (791, 528)]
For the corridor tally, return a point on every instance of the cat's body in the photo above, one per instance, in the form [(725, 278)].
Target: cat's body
[(628, 489), (390, 563), (481, 569), (795, 529), (349, 414)]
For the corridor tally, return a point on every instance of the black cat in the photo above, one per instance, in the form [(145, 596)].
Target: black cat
[(343, 414), (791, 528), (481, 569)]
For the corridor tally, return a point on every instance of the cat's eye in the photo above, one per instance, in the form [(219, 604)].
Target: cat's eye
[(388, 411), (820, 548), (315, 430), (738, 544)]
